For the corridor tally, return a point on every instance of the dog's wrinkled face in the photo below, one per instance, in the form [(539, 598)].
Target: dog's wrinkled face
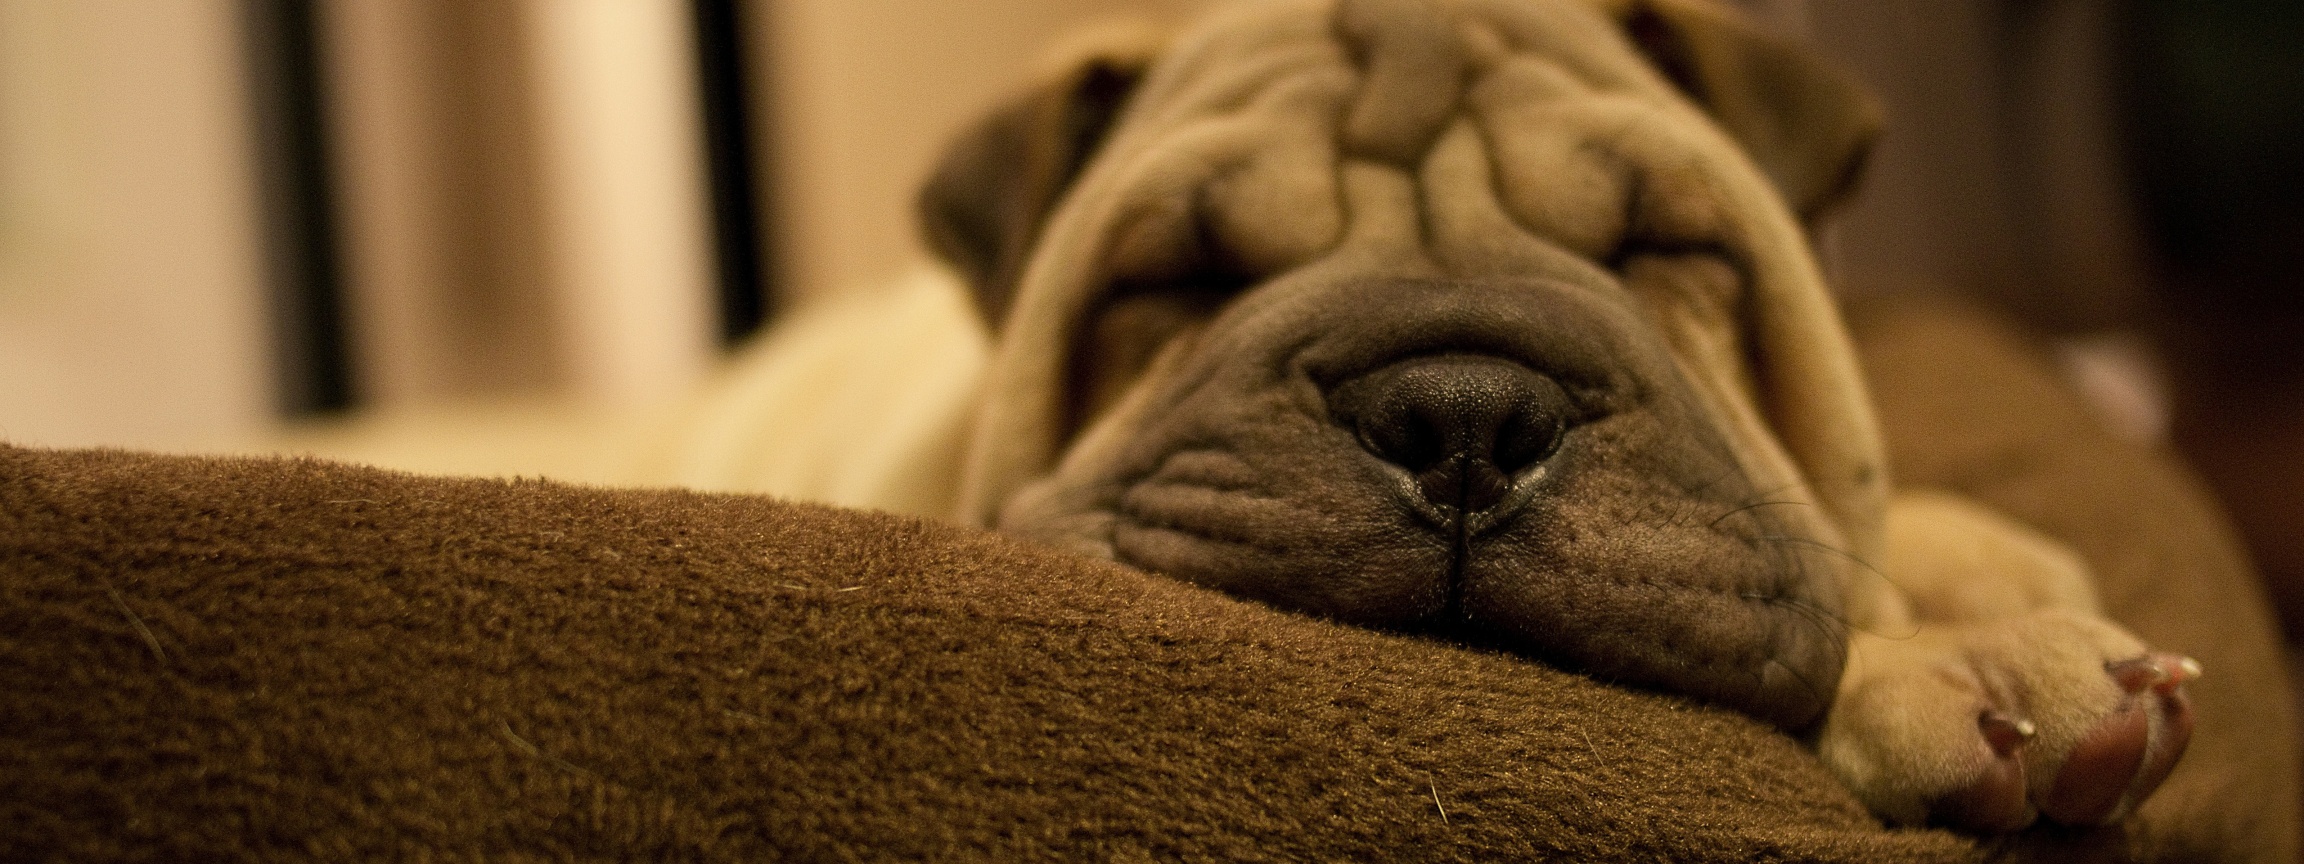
[(1509, 459), (1446, 317)]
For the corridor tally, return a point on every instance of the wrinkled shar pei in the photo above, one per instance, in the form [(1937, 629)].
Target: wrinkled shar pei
[(1498, 321)]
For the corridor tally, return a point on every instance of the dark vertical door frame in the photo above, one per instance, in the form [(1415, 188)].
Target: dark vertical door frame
[(296, 208), (740, 245)]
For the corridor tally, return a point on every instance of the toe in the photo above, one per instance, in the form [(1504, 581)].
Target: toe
[(1995, 802), (2157, 671), (2173, 734), (2126, 756), (2097, 773)]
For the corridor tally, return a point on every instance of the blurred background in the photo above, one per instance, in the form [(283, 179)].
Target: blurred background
[(215, 214), (218, 217)]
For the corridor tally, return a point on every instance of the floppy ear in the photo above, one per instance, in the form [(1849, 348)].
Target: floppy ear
[(982, 209), (1807, 127), (1806, 123)]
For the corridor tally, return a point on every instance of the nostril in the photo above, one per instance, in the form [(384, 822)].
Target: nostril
[(1462, 424)]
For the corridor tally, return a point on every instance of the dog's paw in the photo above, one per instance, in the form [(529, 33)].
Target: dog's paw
[(1988, 727)]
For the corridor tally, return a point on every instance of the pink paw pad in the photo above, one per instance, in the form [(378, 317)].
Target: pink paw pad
[(2119, 762)]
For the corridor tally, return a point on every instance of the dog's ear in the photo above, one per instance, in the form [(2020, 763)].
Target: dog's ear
[(1806, 123), (996, 184)]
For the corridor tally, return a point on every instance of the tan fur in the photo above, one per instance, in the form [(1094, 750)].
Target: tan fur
[(1981, 604)]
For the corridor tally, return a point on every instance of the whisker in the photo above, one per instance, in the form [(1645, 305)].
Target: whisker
[(1830, 623), (1865, 566), (1707, 485), (1834, 626), (1715, 523), (1805, 684), (1822, 547), (1824, 619)]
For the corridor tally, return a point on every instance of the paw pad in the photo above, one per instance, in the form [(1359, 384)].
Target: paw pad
[(2127, 754)]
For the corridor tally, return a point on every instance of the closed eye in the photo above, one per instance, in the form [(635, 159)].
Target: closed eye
[(1126, 331)]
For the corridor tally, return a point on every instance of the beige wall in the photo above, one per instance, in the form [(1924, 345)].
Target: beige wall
[(130, 306), (522, 198), (868, 91), (625, 226), (521, 207), (430, 124)]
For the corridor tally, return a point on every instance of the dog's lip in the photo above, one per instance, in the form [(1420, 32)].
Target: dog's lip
[(1410, 495)]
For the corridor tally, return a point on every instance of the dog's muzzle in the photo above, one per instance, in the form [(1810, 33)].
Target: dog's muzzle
[(1511, 462)]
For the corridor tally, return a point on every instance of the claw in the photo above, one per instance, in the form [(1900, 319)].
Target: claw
[(2135, 676), (2161, 672), (2006, 734), (2185, 669)]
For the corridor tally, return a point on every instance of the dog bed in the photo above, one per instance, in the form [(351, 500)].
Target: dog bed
[(245, 658)]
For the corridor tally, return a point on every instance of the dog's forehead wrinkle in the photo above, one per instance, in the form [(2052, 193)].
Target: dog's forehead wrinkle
[(1573, 34), (1237, 165), (1414, 63), (1232, 32), (1257, 81), (1602, 177), (1261, 187), (1534, 81), (1381, 209), (1227, 74), (1477, 235)]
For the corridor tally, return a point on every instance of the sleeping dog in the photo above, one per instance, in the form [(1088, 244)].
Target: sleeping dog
[(1497, 320)]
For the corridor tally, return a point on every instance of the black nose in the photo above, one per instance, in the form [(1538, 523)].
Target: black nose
[(1463, 424)]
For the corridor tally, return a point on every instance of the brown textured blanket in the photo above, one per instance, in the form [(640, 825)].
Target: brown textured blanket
[(276, 659)]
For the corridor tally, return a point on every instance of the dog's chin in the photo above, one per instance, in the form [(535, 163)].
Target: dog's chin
[(1515, 465)]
